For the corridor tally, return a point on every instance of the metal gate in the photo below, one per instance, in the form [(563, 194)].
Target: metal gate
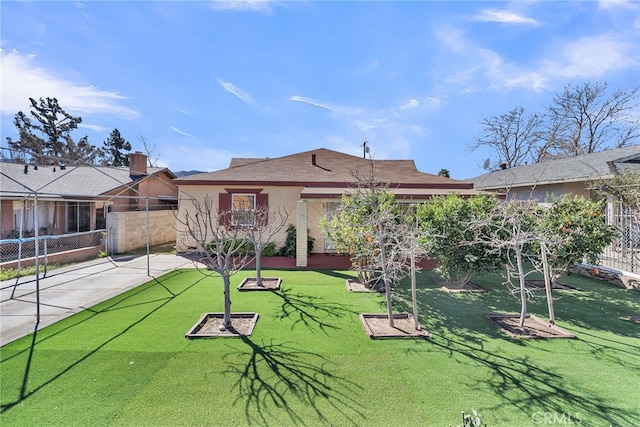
[(624, 252)]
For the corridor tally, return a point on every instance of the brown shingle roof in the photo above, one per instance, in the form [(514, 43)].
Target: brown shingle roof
[(320, 167)]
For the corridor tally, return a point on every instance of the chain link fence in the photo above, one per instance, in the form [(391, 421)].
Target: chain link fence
[(16, 252)]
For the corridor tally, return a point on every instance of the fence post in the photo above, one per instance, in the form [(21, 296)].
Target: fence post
[(46, 259)]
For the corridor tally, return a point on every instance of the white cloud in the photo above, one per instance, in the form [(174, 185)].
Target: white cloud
[(476, 68), (94, 128), (179, 132), (503, 17), (241, 95), (618, 4), (329, 107), (533, 80), (593, 56), (243, 5), (412, 103), (22, 79)]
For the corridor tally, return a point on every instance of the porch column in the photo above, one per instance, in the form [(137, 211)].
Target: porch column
[(302, 226)]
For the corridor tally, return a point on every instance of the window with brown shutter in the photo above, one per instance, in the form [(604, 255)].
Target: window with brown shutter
[(239, 207)]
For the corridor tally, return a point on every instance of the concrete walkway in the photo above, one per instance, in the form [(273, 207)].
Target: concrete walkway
[(69, 290)]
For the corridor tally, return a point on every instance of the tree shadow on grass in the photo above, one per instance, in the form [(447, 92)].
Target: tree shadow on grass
[(311, 311), (280, 377), (337, 273), (457, 328), (535, 390), (618, 352), (110, 305)]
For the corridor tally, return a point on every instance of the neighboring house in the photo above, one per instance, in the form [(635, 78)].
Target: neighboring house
[(308, 185), (74, 199), (541, 181)]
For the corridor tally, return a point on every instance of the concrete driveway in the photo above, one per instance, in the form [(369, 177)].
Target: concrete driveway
[(69, 290)]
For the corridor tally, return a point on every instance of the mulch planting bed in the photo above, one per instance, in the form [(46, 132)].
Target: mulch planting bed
[(455, 287), (534, 327), (376, 326), (356, 286), (268, 284), (208, 326)]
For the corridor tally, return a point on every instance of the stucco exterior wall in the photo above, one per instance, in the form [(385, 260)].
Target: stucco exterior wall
[(283, 198), (316, 210), (543, 193), (128, 230)]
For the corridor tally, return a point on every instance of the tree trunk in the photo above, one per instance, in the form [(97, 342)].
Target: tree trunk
[(413, 293), (258, 268), (523, 290), (226, 320), (548, 283), (387, 289), (387, 284)]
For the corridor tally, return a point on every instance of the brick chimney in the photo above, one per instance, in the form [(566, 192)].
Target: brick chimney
[(137, 164)]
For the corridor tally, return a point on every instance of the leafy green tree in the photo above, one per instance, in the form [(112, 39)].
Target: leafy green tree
[(623, 187), (572, 229), (115, 150), (444, 172), (451, 234), (44, 137)]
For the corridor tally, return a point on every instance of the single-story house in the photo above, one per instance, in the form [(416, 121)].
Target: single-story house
[(308, 185), (77, 198), (572, 175)]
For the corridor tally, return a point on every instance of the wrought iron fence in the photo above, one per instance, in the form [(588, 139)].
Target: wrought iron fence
[(624, 253), (20, 249)]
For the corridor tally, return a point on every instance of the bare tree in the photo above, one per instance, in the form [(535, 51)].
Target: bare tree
[(371, 226), (150, 150), (218, 245), (586, 119), (579, 120), (261, 229), (513, 137), (512, 238)]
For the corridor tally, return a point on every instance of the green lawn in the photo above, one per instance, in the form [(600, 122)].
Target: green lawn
[(309, 362)]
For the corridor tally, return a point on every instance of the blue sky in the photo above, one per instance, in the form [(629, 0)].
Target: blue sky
[(206, 81)]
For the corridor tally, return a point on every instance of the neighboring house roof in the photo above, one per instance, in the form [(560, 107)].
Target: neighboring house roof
[(586, 167), (78, 182), (321, 168)]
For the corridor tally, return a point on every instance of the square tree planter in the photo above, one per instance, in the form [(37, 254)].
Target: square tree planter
[(377, 326), (268, 284), (468, 288), (354, 285), (208, 326), (534, 327)]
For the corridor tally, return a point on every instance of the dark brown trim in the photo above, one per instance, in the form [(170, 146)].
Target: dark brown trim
[(244, 190), (446, 186)]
